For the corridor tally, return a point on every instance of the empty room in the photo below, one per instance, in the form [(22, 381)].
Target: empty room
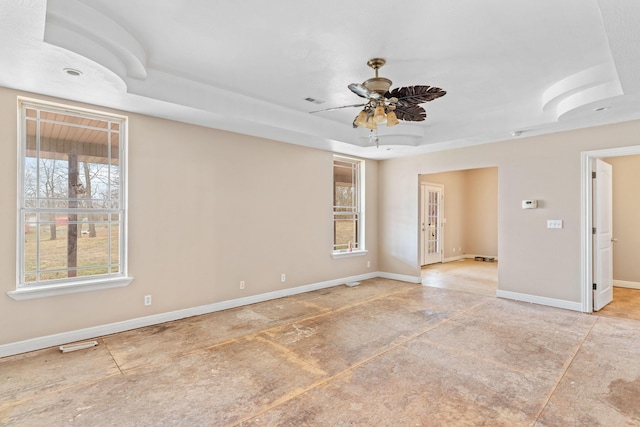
[(249, 214)]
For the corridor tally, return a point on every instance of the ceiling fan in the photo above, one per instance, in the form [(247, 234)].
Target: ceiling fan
[(388, 106)]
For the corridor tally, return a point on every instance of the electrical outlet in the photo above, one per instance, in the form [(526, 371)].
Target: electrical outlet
[(242, 284), (147, 300), (283, 277), (368, 264), (454, 250)]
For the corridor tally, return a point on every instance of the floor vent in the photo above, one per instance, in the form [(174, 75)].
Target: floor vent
[(78, 346), (485, 258)]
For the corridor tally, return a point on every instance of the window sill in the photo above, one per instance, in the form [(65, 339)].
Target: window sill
[(336, 255), (44, 291)]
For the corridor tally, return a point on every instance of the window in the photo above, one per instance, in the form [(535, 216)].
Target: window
[(72, 216), (348, 218)]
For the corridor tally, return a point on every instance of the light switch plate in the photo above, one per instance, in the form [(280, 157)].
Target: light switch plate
[(554, 223)]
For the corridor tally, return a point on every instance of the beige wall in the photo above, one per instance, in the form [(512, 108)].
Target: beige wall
[(207, 208), (534, 260), (626, 218), (471, 211), (481, 236)]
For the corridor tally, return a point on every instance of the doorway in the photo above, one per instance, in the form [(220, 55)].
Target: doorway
[(623, 241), (464, 275), (467, 230)]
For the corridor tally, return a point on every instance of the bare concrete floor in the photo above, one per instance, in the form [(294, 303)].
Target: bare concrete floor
[(385, 353)]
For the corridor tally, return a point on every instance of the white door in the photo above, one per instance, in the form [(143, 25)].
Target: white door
[(602, 236), (431, 196)]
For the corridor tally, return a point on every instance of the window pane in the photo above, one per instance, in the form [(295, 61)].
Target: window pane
[(53, 179), (345, 232), (114, 186), (93, 251), (115, 243), (30, 242), (345, 198), (114, 167), (94, 178), (31, 137), (53, 248), (61, 118)]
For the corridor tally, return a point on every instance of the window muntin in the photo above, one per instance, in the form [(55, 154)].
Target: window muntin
[(72, 208), (347, 205)]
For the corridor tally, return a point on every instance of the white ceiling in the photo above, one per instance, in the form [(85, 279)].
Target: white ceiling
[(535, 66)]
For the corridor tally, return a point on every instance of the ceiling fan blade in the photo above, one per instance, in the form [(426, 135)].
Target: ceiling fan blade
[(362, 91), (410, 113), (337, 108), (412, 95)]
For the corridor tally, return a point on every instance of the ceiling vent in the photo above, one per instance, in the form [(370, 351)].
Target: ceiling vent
[(314, 100)]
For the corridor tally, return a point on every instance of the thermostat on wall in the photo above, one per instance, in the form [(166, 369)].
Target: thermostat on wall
[(529, 204)]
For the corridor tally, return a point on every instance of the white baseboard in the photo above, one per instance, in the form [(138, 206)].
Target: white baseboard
[(401, 277), (468, 256), (112, 328), (625, 284), (552, 302)]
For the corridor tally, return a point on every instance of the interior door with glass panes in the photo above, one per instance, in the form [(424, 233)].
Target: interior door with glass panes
[(431, 200)]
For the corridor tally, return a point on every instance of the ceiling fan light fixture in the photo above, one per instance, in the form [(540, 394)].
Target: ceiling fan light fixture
[(389, 106), (361, 120), (379, 116), (371, 123), (392, 120)]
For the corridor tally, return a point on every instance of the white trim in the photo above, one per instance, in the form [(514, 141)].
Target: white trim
[(43, 291), (625, 284), (112, 328), (401, 277), (586, 224), (586, 243), (552, 302), (336, 255), (454, 258)]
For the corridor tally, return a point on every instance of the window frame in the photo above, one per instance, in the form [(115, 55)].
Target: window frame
[(54, 287), (359, 209)]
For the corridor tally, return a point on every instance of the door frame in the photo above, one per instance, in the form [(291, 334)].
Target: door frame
[(586, 222)]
